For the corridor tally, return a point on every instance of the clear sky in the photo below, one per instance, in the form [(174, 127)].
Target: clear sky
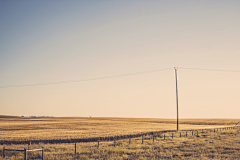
[(51, 41)]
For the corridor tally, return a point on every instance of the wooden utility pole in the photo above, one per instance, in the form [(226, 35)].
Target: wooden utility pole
[(176, 95)]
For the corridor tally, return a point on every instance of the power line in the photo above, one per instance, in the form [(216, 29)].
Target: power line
[(88, 79), (220, 70), (109, 77)]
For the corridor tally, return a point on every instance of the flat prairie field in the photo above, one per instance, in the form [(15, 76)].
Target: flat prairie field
[(58, 128)]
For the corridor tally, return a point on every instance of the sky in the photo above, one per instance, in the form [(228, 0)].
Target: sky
[(117, 58)]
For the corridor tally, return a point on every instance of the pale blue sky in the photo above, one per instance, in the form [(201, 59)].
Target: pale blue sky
[(52, 41)]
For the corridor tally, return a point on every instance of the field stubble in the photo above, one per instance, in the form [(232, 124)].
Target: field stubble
[(57, 128), (222, 144)]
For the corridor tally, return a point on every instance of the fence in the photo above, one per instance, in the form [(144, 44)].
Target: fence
[(169, 135), (143, 136), (25, 151), (99, 139)]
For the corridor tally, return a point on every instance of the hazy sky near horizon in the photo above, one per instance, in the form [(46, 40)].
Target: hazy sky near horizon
[(44, 42)]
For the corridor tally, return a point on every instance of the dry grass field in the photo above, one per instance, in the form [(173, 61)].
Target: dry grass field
[(57, 128), (222, 144)]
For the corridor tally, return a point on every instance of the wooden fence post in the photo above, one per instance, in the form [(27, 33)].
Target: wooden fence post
[(42, 153), (25, 154), (186, 133), (29, 143), (197, 133), (142, 139), (164, 136), (75, 148), (180, 134), (153, 138), (3, 152), (192, 133), (129, 140), (98, 144)]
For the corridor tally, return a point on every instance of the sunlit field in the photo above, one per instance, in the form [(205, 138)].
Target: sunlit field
[(201, 141), (54, 128)]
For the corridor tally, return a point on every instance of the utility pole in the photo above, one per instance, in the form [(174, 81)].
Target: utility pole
[(176, 95)]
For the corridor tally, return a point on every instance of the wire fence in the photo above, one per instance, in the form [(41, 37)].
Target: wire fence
[(143, 139)]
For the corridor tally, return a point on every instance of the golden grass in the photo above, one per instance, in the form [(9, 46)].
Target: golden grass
[(56, 128), (222, 144)]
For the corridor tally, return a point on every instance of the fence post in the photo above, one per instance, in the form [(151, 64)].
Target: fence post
[(164, 136), (192, 133), (142, 139), (172, 135), (42, 153), (29, 143), (186, 133), (98, 144), (3, 152), (153, 138), (25, 154), (180, 134), (114, 143), (129, 140), (197, 133), (75, 148)]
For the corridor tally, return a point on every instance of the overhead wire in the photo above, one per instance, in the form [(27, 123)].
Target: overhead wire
[(220, 70), (88, 79), (109, 77)]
